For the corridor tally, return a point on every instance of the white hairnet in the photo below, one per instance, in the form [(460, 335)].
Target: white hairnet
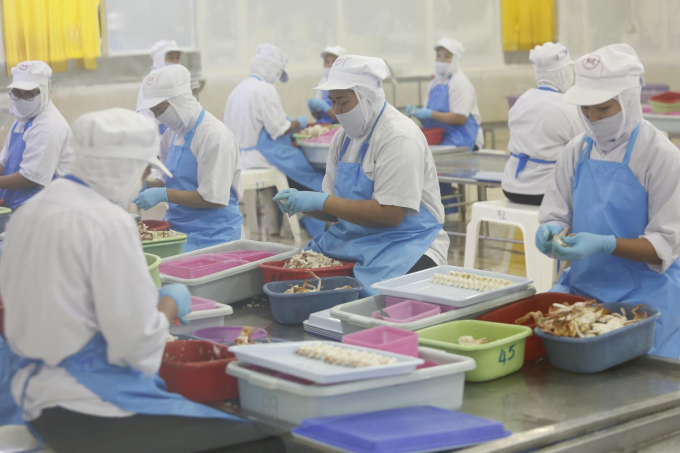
[(631, 110), (160, 49), (457, 49), (560, 79), (27, 76), (269, 63), (187, 107), (371, 101)]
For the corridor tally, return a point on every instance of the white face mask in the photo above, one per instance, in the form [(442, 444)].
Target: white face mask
[(441, 68), (326, 71), (24, 110), (353, 122), (605, 132), (171, 119)]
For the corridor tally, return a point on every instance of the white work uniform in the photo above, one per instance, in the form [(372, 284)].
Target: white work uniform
[(252, 105), (462, 100), (400, 164), (47, 152), (541, 125), (217, 153), (655, 161), (87, 275)]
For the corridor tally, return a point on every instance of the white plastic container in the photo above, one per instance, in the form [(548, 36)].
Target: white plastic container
[(234, 284), (316, 153), (358, 315), (439, 386), (203, 319)]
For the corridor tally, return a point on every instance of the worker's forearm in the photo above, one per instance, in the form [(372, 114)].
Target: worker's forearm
[(168, 307), (317, 115), (368, 213), (190, 199), (320, 215), (294, 125), (452, 119), (639, 249), (16, 181), (154, 183)]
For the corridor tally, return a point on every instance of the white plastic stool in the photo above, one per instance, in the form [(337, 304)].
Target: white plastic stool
[(263, 178), (539, 267)]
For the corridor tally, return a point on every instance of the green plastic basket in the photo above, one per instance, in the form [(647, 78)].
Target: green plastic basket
[(503, 355), (153, 261), (5, 214), (165, 247)]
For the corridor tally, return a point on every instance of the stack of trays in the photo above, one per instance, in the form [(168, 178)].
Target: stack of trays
[(321, 323)]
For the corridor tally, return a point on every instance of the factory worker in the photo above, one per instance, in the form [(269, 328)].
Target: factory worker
[(255, 113), (83, 347), (451, 100), (616, 188), (380, 184), (541, 124), (203, 155), (320, 106), (163, 53), (36, 148)]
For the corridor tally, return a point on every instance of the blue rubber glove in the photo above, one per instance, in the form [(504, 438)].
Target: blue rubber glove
[(302, 201), (584, 245), (410, 109), (544, 236), (302, 119), (182, 297), (422, 114), (283, 192), (318, 105), (151, 197)]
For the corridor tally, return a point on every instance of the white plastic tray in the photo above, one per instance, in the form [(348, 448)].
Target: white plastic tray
[(235, 284), (418, 286), (321, 323), (203, 319), (357, 315), (281, 357), (440, 386), (316, 153)]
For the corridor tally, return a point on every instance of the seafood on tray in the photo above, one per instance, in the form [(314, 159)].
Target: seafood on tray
[(316, 130), (557, 238), (245, 337), (310, 260), (336, 355), (147, 235), (308, 287), (582, 319), (467, 340), (466, 280)]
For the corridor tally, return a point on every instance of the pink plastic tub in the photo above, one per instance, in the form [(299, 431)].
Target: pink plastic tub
[(192, 268), (385, 338), (200, 304), (391, 300), (409, 311)]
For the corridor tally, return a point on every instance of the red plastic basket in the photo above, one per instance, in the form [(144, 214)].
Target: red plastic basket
[(434, 136), (196, 369), (157, 225), (274, 272), (669, 97), (539, 302)]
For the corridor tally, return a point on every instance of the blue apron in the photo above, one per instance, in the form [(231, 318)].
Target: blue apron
[(609, 199), (15, 154), (325, 118), (379, 253), (465, 135), (524, 158), (204, 227)]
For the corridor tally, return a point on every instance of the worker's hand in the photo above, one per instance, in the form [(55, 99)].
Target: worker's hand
[(422, 114), (544, 236), (410, 109), (302, 119), (151, 197), (281, 193), (584, 245), (302, 201), (181, 295), (318, 105)]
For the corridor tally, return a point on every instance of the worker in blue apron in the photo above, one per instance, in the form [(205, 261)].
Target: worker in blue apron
[(320, 106), (36, 148), (204, 193), (86, 344), (388, 223), (255, 113), (613, 187)]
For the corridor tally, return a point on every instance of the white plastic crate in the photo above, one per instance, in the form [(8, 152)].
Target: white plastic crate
[(440, 386), (203, 319), (235, 284)]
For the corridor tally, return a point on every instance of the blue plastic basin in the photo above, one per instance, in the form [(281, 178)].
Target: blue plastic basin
[(294, 309), (595, 354)]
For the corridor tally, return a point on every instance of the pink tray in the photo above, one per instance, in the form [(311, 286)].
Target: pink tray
[(408, 311), (200, 304), (385, 338)]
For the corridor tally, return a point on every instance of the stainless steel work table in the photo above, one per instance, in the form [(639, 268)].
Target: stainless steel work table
[(632, 407)]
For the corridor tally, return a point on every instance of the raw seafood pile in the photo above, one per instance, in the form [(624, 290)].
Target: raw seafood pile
[(558, 237), (245, 337), (581, 320), (306, 287), (336, 355), (467, 340), (470, 281), (310, 260), (146, 235), (316, 130)]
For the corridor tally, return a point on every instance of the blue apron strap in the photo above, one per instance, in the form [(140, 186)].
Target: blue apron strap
[(75, 179), (250, 148), (544, 88), (189, 136), (345, 145), (365, 144), (585, 154), (524, 158), (256, 77), (631, 144)]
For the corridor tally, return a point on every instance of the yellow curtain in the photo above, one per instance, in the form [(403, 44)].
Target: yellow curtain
[(53, 31), (527, 23)]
